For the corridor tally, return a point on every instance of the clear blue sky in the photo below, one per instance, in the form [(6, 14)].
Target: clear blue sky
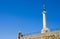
[(26, 16)]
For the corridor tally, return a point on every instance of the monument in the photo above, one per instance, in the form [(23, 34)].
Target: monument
[(45, 32), (45, 28)]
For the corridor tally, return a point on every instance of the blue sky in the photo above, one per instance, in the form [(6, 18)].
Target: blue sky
[(26, 16)]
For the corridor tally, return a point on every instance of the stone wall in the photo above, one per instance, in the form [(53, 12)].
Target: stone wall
[(48, 35)]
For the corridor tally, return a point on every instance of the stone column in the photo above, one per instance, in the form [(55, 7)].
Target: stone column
[(45, 28), (44, 19)]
